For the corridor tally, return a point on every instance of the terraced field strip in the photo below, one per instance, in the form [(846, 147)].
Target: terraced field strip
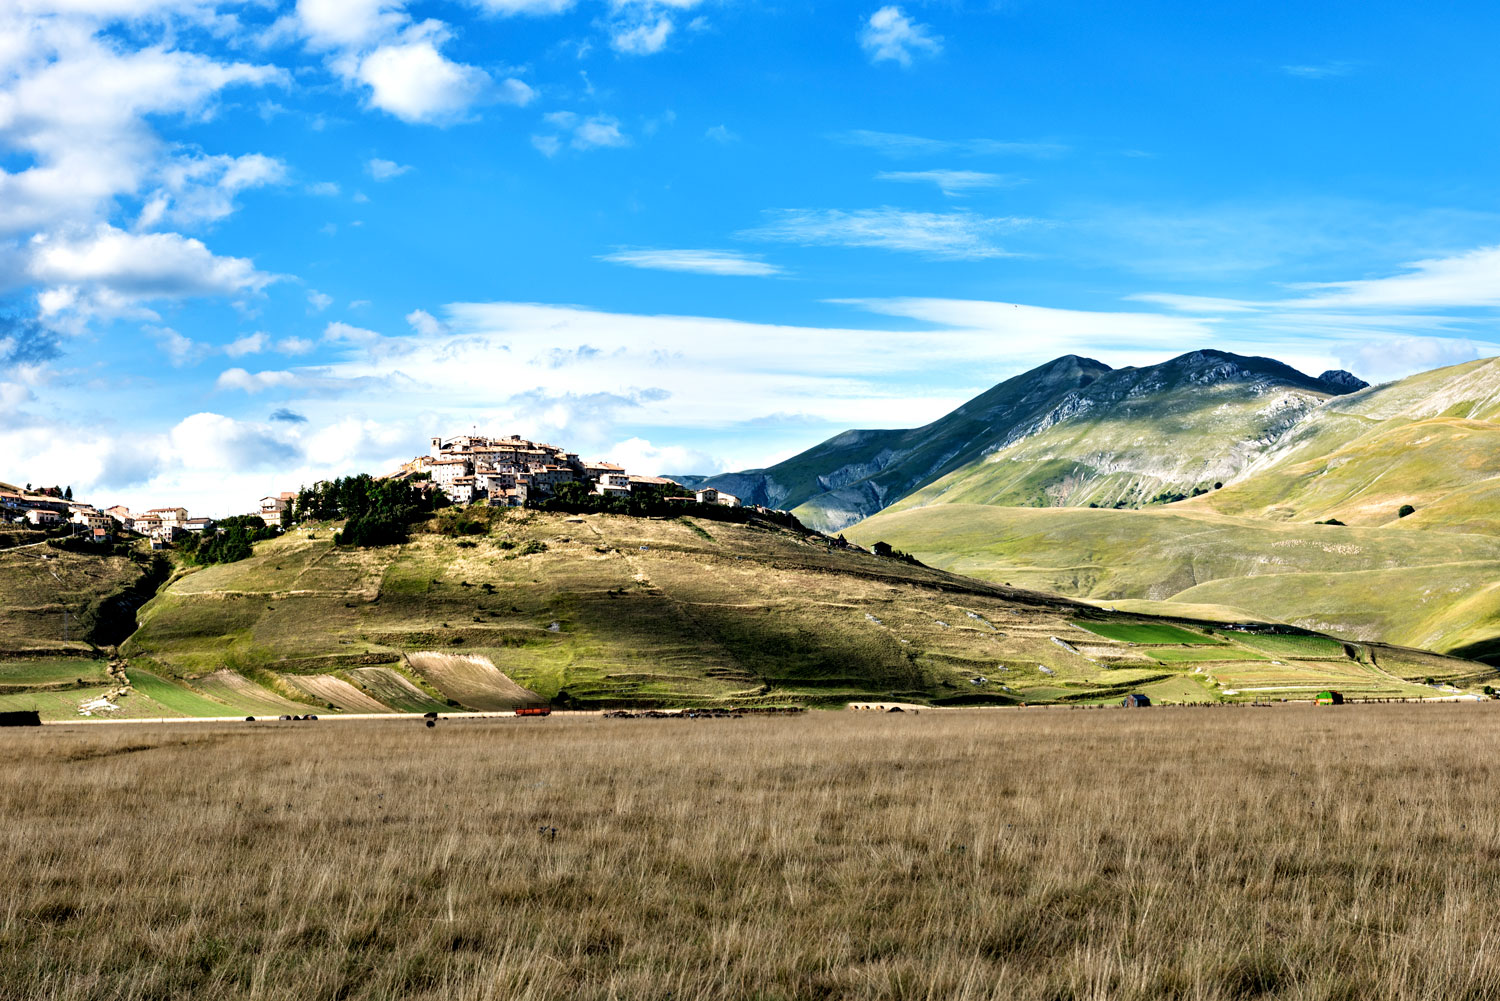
[(474, 681), (52, 671), (239, 692), (1293, 647), (64, 704), (336, 692), (1147, 632), (174, 697), (1168, 655), (391, 689)]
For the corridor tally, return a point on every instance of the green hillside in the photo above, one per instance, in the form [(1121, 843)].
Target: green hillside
[(50, 599), (1429, 441), (1411, 467), (604, 610), (1426, 589)]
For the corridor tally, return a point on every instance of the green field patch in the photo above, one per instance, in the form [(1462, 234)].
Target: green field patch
[(1178, 689), (53, 671), (176, 698), (64, 704), (1192, 655), (1311, 647), (1146, 632)]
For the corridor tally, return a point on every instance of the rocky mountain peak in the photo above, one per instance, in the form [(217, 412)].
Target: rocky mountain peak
[(1340, 382)]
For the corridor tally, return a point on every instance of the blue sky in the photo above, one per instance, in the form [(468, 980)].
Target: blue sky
[(247, 245)]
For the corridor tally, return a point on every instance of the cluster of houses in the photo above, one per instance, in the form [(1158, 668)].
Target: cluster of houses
[(506, 472), (45, 509)]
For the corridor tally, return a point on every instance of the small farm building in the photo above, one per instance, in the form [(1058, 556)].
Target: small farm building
[(1136, 700), (881, 549), (1330, 698)]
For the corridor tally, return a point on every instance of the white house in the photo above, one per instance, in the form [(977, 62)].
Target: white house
[(271, 510), (173, 516), (461, 490), (95, 521), (612, 484), (708, 495)]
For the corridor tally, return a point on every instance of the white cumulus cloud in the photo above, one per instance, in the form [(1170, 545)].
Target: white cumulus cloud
[(250, 344), (594, 132), (641, 457), (141, 265), (412, 79), (890, 36), (256, 382), (642, 38), (384, 170)]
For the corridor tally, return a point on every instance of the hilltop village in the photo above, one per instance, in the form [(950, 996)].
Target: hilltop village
[(508, 472), (503, 472), (56, 510), (466, 469)]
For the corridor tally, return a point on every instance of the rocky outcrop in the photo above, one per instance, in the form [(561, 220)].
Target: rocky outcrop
[(1338, 382)]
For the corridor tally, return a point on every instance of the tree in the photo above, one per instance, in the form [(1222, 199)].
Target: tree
[(1406, 509), (68, 493)]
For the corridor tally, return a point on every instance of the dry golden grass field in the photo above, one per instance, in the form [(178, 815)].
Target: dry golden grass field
[(1195, 853)]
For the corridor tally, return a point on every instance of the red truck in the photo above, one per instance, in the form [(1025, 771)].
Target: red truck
[(534, 711)]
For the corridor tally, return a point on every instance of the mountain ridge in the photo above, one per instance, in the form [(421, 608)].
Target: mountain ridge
[(1377, 515), (859, 472)]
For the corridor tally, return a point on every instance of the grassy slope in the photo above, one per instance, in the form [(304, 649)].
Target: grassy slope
[(1424, 589), (1428, 441), (39, 584), (623, 610), (1443, 466)]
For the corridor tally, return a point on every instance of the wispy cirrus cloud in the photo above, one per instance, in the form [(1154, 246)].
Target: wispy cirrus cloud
[(1319, 71), (951, 182), (1464, 281), (1470, 279), (955, 235), (703, 262), (898, 144)]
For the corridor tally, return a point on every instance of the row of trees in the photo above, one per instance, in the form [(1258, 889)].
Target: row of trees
[(650, 501), (376, 512), (231, 540), (66, 493)]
